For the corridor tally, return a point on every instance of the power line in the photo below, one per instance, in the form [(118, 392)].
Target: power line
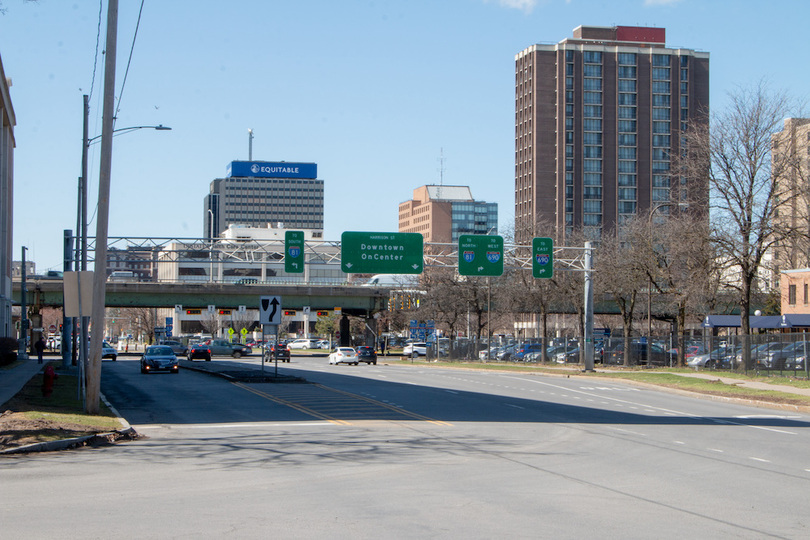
[(129, 60)]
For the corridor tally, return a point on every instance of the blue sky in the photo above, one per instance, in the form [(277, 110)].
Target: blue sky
[(372, 91)]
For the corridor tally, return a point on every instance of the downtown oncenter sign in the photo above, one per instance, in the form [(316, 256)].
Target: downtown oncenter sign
[(381, 253)]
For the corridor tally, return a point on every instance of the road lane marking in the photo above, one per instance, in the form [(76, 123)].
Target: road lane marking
[(760, 459)]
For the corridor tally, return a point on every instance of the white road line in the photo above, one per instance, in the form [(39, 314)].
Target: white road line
[(514, 406), (227, 426), (717, 450), (760, 459)]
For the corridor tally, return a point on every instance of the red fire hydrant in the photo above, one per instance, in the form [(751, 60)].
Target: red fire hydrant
[(47, 380)]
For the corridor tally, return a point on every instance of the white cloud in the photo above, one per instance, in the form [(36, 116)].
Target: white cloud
[(524, 5)]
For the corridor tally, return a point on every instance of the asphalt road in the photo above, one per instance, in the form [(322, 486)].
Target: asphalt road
[(412, 452)]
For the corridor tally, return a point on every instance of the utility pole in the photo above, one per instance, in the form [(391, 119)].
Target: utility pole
[(93, 376)]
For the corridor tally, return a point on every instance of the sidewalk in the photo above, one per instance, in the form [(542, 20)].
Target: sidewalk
[(17, 375), (757, 385)]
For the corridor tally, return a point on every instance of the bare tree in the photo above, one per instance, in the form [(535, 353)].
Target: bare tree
[(211, 322), (682, 268), (622, 273), (746, 192)]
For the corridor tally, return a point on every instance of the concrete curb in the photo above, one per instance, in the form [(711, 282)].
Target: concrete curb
[(65, 444)]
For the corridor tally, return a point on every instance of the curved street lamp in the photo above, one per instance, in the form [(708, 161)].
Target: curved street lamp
[(81, 225)]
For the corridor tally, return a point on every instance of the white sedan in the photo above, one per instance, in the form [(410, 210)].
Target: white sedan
[(344, 355)]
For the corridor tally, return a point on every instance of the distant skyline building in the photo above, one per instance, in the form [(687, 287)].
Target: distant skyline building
[(597, 117), (258, 193), (443, 213), (791, 154)]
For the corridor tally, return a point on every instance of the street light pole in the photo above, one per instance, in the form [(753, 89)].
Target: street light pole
[(649, 288), (211, 251), (22, 352)]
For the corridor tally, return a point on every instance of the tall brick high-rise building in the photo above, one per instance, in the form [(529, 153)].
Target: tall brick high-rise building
[(597, 119)]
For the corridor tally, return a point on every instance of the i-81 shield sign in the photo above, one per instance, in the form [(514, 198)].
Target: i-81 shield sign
[(480, 255)]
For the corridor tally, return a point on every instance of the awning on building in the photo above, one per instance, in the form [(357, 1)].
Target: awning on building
[(758, 321)]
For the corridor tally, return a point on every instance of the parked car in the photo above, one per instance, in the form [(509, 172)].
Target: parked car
[(159, 358), (526, 348), (343, 355), (178, 348), (323, 344), (225, 347), (415, 349), (302, 344), (107, 351), (199, 350), (367, 354), (721, 357), (567, 356), (638, 354)]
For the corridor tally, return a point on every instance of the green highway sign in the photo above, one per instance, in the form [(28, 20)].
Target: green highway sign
[(381, 253), (480, 255), (543, 257), (294, 252)]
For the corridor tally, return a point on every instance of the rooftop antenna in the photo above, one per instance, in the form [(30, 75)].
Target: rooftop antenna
[(441, 173), (250, 144)]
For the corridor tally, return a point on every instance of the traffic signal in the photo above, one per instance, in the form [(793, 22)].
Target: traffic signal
[(289, 312), (323, 314)]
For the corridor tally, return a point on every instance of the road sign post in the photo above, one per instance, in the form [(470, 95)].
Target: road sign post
[(543, 258), (294, 252), (480, 255), (381, 253)]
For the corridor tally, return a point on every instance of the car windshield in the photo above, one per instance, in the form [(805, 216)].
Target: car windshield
[(159, 351)]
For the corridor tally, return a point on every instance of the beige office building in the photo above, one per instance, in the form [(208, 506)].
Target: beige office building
[(443, 213), (791, 159)]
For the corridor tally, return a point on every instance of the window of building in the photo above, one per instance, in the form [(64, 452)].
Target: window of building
[(592, 219), (592, 57), (591, 137), (792, 294), (569, 56), (627, 180), (627, 152), (592, 111), (592, 84), (661, 140), (627, 126), (592, 179), (592, 192), (660, 180), (592, 98), (592, 165), (660, 113), (627, 166), (660, 74), (661, 127), (592, 124), (660, 100), (626, 59), (660, 194), (627, 139), (660, 60), (627, 85), (592, 70), (592, 152), (805, 294), (627, 99), (569, 96), (627, 72), (627, 112)]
